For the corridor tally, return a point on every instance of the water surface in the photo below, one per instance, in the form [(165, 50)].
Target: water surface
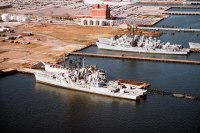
[(181, 21), (27, 106)]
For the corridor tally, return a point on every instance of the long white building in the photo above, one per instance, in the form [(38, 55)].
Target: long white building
[(6, 17), (110, 2)]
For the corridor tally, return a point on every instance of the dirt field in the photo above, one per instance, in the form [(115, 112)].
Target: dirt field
[(50, 43), (75, 34)]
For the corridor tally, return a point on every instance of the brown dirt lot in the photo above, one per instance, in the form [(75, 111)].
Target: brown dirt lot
[(78, 34), (50, 43)]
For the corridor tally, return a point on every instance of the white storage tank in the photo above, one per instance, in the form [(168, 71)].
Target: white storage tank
[(19, 18), (13, 18), (102, 23), (5, 17), (25, 19)]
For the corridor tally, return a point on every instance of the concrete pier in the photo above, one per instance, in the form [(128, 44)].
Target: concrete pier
[(169, 29), (138, 58), (181, 13), (186, 6), (193, 2)]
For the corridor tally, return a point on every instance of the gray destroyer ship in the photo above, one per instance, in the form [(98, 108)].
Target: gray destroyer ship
[(90, 79), (134, 43)]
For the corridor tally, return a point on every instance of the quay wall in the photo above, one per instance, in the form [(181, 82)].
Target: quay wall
[(181, 13), (169, 29), (189, 7), (138, 58)]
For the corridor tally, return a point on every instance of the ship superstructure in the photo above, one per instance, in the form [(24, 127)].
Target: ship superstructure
[(140, 44), (194, 45)]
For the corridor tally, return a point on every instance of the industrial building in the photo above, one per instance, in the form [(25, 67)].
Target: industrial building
[(101, 11), (3, 6), (6, 17), (100, 16), (96, 22)]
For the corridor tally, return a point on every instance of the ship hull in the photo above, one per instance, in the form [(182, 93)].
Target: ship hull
[(141, 50), (194, 45), (45, 79)]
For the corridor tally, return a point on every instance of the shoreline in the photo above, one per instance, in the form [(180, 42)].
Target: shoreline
[(26, 70)]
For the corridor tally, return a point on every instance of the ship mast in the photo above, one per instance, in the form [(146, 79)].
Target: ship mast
[(83, 62)]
